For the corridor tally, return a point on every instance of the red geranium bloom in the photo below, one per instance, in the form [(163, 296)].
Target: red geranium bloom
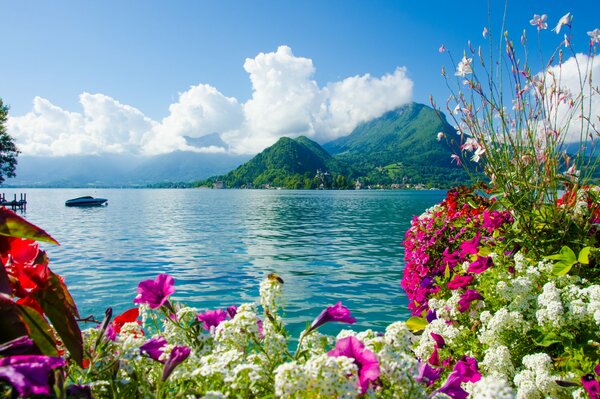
[(129, 316), (25, 263)]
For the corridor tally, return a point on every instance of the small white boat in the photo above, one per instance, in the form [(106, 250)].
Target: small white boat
[(86, 201)]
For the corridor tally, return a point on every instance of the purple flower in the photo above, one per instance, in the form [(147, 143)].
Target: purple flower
[(337, 312), (427, 374), (439, 340), (591, 386), (212, 318), (232, 311), (79, 391), (366, 361), (259, 324), (153, 348), (155, 292), (29, 374), (480, 265), (465, 299), (110, 332), (452, 388), (459, 282), (17, 346), (431, 316), (178, 354), (434, 359), (470, 247), (467, 369)]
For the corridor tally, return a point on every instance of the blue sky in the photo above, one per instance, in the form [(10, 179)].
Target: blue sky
[(143, 54)]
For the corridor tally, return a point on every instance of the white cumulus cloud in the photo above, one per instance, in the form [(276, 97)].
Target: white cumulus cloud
[(286, 101)]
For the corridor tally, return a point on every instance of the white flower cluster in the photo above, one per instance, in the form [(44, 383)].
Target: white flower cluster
[(492, 388), (536, 380), (497, 363), (499, 328), (239, 331), (321, 376), (271, 295), (438, 326), (550, 309)]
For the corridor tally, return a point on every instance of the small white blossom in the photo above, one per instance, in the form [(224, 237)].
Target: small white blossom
[(464, 67)]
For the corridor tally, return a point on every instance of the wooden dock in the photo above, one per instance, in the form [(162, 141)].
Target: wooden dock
[(20, 204)]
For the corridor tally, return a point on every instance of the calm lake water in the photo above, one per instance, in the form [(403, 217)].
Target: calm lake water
[(218, 244)]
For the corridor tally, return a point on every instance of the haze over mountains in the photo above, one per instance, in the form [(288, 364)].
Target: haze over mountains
[(396, 147)]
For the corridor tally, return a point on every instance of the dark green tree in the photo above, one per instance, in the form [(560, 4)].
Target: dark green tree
[(8, 149)]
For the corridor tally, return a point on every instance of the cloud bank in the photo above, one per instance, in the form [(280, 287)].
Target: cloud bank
[(286, 101)]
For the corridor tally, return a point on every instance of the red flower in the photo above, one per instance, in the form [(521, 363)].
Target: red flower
[(25, 264), (129, 316)]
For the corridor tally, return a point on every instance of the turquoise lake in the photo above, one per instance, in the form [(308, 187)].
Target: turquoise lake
[(328, 246)]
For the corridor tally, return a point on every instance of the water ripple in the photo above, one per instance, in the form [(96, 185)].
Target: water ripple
[(218, 244)]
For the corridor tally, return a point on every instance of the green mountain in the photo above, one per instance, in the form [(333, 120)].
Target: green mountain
[(401, 147), (289, 163), (395, 150)]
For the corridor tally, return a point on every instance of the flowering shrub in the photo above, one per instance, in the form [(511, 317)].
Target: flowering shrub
[(529, 326)]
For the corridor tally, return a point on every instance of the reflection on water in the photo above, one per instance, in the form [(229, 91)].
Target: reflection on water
[(327, 246)]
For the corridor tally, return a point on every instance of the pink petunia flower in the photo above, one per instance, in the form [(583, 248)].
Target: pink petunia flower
[(177, 356), (481, 264), (212, 318), (155, 292), (366, 361), (337, 312), (465, 299), (154, 348), (460, 282)]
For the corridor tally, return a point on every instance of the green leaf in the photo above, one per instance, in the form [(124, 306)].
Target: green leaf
[(39, 330), (57, 306), (547, 340), (447, 272), (13, 225), (416, 324), (565, 254), (584, 256), (562, 268)]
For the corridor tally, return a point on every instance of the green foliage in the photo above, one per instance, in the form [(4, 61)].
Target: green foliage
[(8, 149), (395, 150), (401, 147)]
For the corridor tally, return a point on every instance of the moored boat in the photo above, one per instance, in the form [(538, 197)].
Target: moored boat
[(86, 201)]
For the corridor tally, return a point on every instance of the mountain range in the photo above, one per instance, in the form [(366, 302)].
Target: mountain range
[(397, 148)]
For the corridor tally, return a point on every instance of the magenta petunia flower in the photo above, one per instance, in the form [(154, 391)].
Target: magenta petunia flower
[(467, 369), (154, 348), (439, 340), (434, 359), (481, 264), (212, 318), (465, 299), (337, 312), (177, 356), (155, 292), (471, 246), (452, 388), (460, 282), (232, 311), (591, 386), (427, 374), (29, 374), (368, 366)]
